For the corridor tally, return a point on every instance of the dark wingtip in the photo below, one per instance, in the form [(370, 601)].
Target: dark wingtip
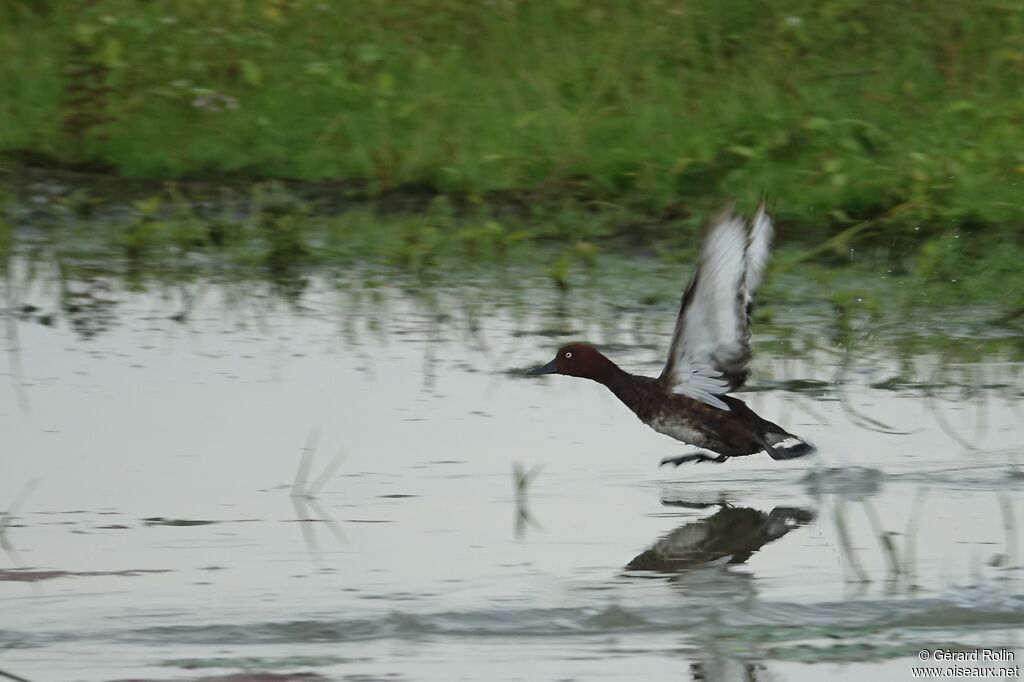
[(762, 205)]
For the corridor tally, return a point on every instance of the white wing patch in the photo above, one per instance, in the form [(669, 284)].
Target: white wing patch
[(710, 346), (702, 383)]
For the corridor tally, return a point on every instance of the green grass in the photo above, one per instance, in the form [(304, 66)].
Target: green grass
[(910, 113), (888, 133)]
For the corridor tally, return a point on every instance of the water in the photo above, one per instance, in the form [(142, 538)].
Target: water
[(349, 479)]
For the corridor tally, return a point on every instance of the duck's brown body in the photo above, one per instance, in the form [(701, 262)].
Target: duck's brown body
[(733, 433)]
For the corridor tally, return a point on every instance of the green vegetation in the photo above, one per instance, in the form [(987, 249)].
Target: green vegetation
[(838, 110), (888, 126), (282, 236)]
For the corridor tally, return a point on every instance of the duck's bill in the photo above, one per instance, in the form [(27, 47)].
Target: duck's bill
[(549, 368)]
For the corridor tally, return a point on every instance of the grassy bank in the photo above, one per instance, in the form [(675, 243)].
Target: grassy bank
[(910, 112), (285, 232), (412, 132)]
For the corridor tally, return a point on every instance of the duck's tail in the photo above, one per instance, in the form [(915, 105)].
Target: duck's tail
[(786, 446)]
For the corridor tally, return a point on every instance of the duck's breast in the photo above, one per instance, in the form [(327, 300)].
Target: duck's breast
[(685, 430)]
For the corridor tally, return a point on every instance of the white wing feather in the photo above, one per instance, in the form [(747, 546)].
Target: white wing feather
[(710, 345), (758, 245), (702, 383)]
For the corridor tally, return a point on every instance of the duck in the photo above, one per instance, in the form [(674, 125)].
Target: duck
[(730, 536), (709, 355)]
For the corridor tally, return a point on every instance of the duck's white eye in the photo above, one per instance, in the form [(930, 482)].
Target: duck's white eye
[(568, 354)]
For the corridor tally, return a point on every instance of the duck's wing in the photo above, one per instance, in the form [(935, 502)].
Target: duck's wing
[(711, 344)]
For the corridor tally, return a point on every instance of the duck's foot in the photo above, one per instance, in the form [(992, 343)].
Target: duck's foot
[(696, 457), (693, 505)]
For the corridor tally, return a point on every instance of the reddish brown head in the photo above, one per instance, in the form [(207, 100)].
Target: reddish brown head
[(579, 360)]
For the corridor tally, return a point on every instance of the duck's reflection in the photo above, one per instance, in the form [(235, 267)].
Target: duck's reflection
[(729, 536)]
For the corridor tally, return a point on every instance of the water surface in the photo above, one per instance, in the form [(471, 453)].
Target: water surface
[(351, 479)]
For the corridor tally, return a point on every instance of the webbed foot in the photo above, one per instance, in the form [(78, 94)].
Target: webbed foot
[(696, 457), (694, 505)]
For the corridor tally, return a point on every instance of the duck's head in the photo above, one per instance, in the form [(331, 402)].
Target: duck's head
[(578, 360)]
